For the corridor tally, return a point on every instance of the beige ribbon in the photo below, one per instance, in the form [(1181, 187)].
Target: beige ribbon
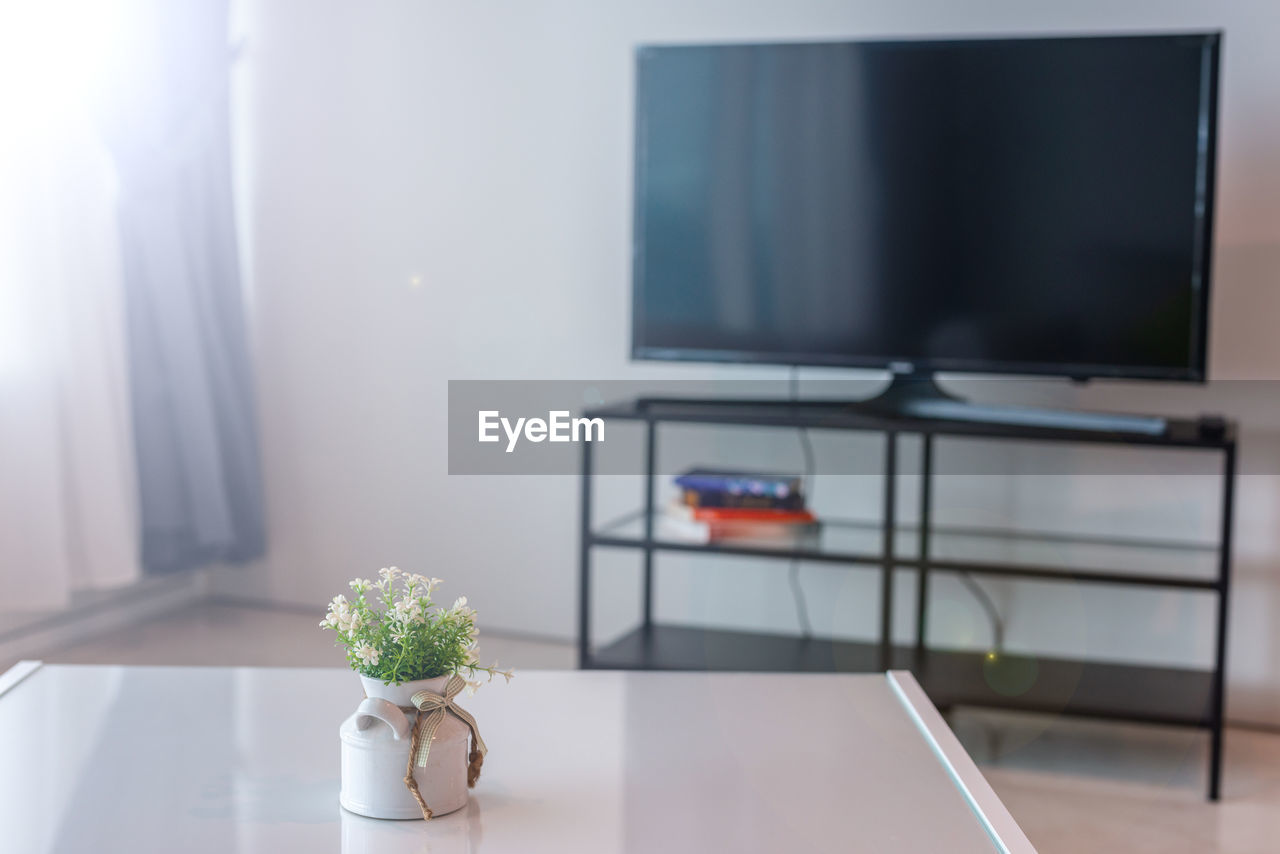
[(432, 709)]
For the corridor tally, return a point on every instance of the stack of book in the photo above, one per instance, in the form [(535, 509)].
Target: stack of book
[(730, 505)]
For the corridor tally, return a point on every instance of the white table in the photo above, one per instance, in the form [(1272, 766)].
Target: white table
[(245, 760)]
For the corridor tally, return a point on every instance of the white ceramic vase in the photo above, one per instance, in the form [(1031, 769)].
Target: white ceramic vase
[(375, 752)]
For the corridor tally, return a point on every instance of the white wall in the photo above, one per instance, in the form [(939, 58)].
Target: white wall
[(441, 190)]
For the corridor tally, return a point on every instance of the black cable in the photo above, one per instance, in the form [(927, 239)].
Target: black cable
[(802, 610), (993, 614), (997, 624), (806, 448), (793, 575)]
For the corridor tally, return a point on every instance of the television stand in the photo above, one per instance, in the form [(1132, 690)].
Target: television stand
[(1191, 695), (920, 396)]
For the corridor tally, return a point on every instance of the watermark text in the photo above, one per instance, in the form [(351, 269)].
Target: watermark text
[(558, 426)]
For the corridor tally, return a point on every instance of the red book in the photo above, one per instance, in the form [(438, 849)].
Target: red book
[(741, 514), (751, 514), (708, 524)]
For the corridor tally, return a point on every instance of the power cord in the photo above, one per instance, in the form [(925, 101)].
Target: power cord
[(793, 575), (997, 624)]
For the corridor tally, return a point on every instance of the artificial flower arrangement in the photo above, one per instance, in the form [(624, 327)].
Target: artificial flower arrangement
[(394, 632), (409, 742)]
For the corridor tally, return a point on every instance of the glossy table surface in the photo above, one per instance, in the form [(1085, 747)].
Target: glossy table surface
[(196, 760)]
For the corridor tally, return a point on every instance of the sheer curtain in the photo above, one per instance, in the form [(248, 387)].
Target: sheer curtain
[(167, 123), (128, 441), (68, 517)]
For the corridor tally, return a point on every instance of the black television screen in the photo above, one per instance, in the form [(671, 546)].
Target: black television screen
[(1022, 205)]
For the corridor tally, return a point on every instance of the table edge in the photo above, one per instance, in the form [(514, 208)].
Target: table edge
[(973, 787), (11, 677), (977, 792)]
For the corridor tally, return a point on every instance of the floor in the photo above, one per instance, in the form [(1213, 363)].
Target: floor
[(1073, 785), (230, 634), (14, 621)]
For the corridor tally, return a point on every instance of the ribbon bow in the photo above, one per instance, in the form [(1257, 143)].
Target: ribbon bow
[(432, 709)]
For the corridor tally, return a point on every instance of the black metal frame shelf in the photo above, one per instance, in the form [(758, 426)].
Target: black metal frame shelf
[(1174, 696), (1185, 696)]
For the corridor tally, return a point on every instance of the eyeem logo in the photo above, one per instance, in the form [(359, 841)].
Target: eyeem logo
[(558, 427)]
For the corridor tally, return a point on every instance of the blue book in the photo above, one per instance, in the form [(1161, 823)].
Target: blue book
[(772, 487)]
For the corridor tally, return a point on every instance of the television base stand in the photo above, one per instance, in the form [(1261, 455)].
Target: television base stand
[(920, 396)]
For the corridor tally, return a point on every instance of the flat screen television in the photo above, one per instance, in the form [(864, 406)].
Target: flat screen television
[(1010, 205)]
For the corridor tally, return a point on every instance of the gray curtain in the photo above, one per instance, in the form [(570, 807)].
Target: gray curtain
[(167, 124)]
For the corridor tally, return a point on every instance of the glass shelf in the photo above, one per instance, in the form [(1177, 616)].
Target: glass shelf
[(992, 552)]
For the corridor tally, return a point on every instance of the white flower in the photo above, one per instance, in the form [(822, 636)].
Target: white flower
[(409, 610), (471, 688), (367, 654), (339, 615), (360, 585), (425, 586)]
